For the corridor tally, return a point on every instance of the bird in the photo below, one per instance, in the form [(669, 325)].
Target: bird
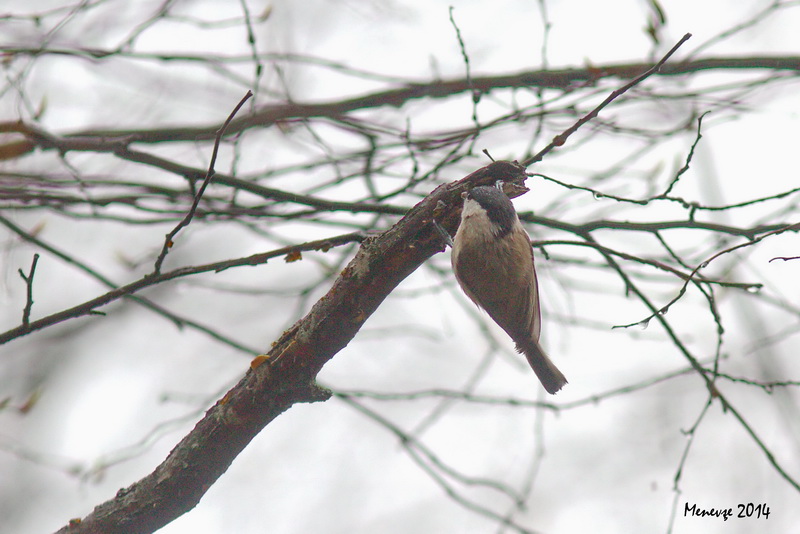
[(492, 259)]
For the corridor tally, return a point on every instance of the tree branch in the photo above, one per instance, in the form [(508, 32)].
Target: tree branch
[(551, 79), (26, 312), (286, 375), (127, 291), (178, 320), (561, 138), (168, 241)]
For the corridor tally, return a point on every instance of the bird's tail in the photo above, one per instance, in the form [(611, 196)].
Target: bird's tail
[(548, 374)]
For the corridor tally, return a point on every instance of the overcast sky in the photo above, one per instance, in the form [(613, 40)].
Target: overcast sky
[(605, 467)]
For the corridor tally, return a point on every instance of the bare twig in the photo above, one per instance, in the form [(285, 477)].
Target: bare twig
[(177, 320), (690, 435), (561, 138), (168, 242), (693, 276), (26, 312), (429, 462), (689, 158), (89, 307), (476, 95), (707, 376)]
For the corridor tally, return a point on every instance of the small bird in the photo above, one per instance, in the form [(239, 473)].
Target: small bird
[(493, 262)]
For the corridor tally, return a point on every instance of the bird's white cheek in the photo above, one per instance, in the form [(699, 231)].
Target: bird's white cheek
[(475, 224), (470, 209)]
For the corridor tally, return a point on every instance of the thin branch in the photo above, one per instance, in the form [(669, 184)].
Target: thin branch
[(689, 158), (409, 441), (435, 468), (177, 320), (168, 242), (514, 402), (691, 206), (702, 265), (558, 79), (654, 226), (561, 138), (26, 312), (687, 277), (690, 435), (476, 95), (89, 307), (707, 376)]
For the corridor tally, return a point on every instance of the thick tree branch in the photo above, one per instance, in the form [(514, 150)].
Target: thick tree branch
[(286, 375)]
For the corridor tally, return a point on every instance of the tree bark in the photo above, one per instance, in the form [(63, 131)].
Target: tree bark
[(286, 375)]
